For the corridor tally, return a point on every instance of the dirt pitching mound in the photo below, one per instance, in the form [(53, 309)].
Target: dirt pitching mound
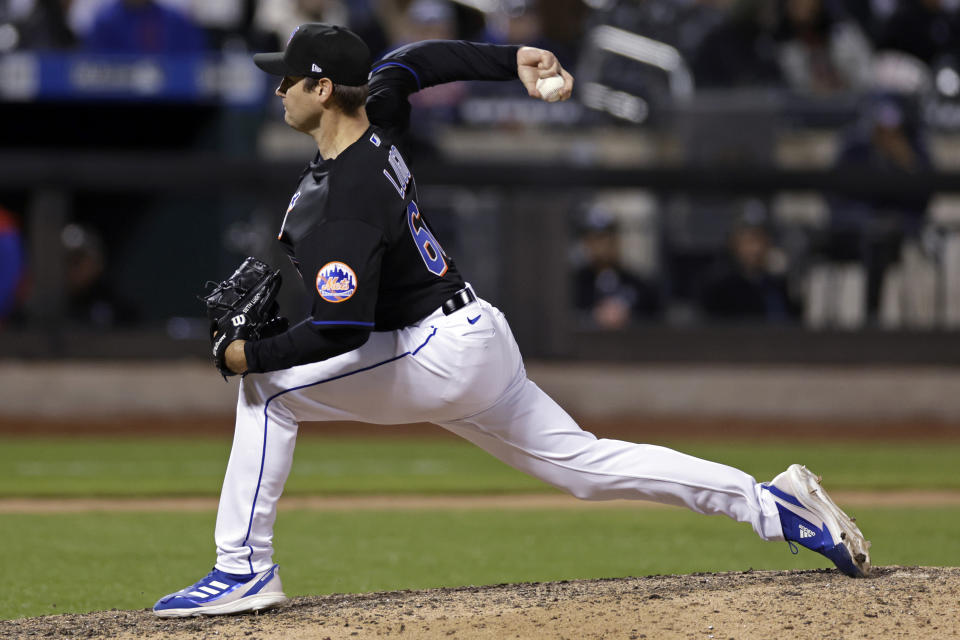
[(896, 602)]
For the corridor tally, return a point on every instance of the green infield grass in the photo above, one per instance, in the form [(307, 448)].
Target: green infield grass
[(181, 466), (83, 562)]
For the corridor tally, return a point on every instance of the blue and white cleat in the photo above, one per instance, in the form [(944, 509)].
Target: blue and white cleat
[(221, 593), (810, 518)]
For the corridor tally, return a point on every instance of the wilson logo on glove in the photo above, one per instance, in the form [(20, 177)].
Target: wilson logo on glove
[(243, 307)]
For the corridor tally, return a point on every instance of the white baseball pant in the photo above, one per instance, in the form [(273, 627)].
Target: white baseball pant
[(463, 372)]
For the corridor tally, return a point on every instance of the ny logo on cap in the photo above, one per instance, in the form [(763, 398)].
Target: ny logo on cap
[(314, 68)]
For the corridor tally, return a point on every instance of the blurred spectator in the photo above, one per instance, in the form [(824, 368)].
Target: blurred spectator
[(436, 106), (887, 140), (226, 24), (609, 295), (430, 20), (740, 51), (517, 22), (562, 28), (649, 79), (82, 14), (923, 28), (417, 20), (871, 15), (746, 285), (91, 299), (820, 50), (11, 263), (281, 17), (680, 23), (143, 26), (46, 27), (556, 25)]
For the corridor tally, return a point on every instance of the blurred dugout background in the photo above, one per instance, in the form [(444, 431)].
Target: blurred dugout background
[(736, 181)]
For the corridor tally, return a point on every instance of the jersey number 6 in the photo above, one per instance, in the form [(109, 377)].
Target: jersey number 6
[(428, 246)]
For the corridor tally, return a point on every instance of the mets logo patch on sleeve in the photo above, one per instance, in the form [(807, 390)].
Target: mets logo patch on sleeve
[(336, 282)]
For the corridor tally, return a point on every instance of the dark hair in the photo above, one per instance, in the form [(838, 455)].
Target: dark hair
[(347, 99)]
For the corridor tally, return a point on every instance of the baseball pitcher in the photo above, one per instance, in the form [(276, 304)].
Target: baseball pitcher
[(396, 335)]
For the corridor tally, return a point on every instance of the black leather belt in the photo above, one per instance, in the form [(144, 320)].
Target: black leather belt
[(458, 300)]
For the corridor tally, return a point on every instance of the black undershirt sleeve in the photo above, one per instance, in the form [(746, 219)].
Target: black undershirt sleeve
[(425, 64), (434, 62), (302, 344)]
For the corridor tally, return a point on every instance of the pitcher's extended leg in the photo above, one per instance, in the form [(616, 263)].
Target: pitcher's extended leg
[(529, 431)]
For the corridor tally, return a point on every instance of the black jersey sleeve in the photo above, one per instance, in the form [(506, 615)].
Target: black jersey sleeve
[(340, 263), (425, 64)]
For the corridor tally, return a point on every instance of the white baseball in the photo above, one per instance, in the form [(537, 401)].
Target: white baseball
[(550, 88)]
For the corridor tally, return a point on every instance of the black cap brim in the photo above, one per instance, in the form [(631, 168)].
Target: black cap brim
[(272, 63)]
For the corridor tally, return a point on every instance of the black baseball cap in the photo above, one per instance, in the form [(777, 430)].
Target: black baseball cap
[(318, 50)]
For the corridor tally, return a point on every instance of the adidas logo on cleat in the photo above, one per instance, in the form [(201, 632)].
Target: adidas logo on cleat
[(805, 532)]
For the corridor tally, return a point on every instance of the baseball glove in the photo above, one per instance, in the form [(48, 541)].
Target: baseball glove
[(243, 307)]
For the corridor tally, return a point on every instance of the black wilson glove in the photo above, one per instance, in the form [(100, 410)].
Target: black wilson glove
[(243, 307)]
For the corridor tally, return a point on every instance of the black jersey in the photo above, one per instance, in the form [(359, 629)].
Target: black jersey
[(362, 245), (354, 229)]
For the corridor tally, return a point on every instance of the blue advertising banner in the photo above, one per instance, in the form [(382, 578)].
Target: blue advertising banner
[(230, 79)]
